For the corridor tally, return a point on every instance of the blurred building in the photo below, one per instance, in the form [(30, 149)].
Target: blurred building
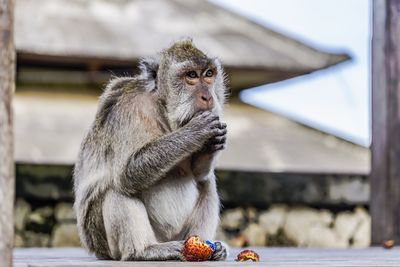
[(66, 55)]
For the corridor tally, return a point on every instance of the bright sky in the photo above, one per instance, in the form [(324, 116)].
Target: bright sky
[(335, 100)]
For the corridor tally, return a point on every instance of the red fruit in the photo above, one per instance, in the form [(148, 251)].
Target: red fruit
[(196, 250), (388, 244), (246, 255)]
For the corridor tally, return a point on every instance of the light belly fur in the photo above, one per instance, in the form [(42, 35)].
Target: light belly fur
[(169, 206)]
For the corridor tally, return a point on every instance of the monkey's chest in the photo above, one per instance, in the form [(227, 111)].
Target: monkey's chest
[(170, 203)]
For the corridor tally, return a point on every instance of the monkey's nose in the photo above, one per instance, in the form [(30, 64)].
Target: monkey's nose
[(206, 98), (206, 101)]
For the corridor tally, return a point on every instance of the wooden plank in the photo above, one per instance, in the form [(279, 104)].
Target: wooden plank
[(7, 180), (269, 257), (385, 165)]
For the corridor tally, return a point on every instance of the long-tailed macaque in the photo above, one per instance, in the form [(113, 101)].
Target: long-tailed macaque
[(145, 179)]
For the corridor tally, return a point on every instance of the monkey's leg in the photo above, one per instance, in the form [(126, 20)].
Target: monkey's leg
[(205, 217), (171, 250), (130, 235)]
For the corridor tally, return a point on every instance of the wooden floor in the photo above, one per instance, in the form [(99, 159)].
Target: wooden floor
[(38, 257)]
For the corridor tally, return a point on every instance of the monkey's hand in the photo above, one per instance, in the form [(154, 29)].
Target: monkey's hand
[(220, 253), (205, 126), (216, 142), (213, 133)]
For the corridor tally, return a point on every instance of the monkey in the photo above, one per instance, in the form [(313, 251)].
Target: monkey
[(144, 180)]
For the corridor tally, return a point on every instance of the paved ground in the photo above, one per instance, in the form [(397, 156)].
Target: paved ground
[(39, 257)]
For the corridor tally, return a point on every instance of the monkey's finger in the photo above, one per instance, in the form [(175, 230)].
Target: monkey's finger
[(221, 125), (213, 119), (222, 132), (218, 246), (201, 115), (219, 132), (218, 140), (220, 252), (198, 114), (207, 114), (217, 147), (220, 255), (215, 124), (181, 257)]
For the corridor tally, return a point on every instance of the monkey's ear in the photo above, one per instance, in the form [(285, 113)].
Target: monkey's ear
[(149, 68)]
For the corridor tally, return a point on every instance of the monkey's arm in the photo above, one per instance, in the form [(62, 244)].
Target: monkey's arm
[(153, 161), (147, 165), (203, 165), (203, 161)]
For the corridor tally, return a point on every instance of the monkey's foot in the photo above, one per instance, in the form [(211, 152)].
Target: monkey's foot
[(220, 253)]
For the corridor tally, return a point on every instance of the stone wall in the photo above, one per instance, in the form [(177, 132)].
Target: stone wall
[(283, 225), (45, 226), (236, 188), (280, 225), (44, 215), (315, 189)]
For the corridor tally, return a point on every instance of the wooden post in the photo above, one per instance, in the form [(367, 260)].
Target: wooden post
[(385, 167), (7, 179)]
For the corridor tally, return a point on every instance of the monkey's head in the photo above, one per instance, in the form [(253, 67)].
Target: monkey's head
[(189, 82)]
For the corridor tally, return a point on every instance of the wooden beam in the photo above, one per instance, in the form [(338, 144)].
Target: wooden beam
[(385, 165), (7, 179)]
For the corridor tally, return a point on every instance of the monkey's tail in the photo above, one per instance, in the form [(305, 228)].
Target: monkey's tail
[(91, 226)]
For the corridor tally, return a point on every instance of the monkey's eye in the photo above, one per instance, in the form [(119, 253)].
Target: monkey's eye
[(209, 73), (192, 74)]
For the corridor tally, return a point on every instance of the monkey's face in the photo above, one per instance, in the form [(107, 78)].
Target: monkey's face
[(196, 88), (190, 82), (199, 84)]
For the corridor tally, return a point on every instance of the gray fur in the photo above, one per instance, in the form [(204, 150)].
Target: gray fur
[(145, 179)]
